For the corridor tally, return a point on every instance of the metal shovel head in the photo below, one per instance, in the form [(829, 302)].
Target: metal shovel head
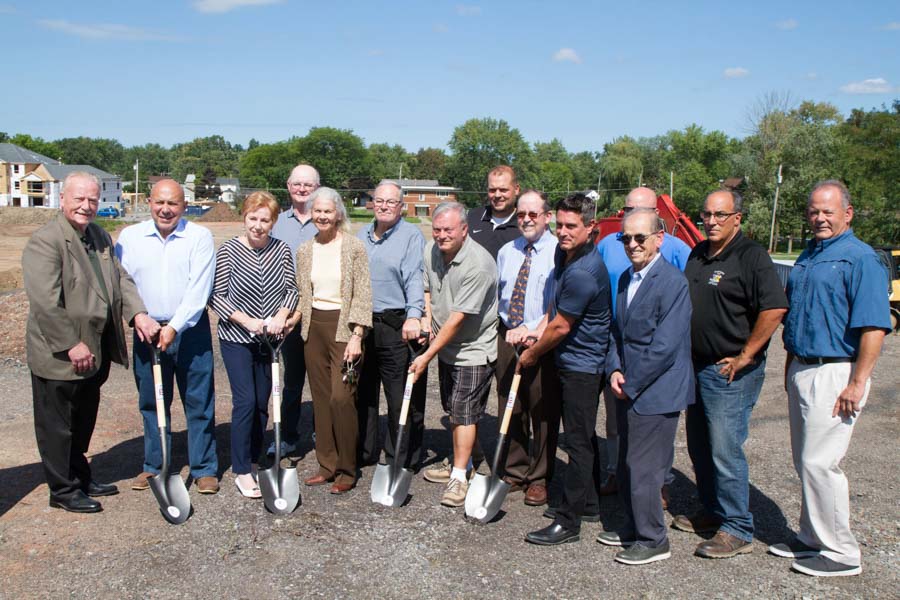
[(485, 497), (390, 487), (280, 489), (172, 496)]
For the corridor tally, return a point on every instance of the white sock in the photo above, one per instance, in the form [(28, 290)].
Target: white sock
[(458, 474)]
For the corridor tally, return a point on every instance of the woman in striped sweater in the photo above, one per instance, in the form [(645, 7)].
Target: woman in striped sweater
[(254, 287)]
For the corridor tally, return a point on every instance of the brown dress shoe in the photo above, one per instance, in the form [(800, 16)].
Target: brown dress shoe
[(536, 495), (664, 494), (207, 485), (699, 522), (140, 482), (723, 545), (317, 480), (341, 488), (514, 486), (610, 487)]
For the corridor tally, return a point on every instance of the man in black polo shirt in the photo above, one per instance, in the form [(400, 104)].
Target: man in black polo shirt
[(738, 302), (494, 224)]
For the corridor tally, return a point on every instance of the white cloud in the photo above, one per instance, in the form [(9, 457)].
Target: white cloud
[(468, 10), (877, 85), (735, 72), (105, 31), (786, 24), (566, 55), (7, 9), (223, 6), (892, 26)]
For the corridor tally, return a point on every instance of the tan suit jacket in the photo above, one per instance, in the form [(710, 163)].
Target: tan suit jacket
[(66, 300)]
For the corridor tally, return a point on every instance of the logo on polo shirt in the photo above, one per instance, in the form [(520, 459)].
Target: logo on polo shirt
[(716, 277)]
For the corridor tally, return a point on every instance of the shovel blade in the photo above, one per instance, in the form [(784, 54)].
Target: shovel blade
[(172, 496), (280, 489), (390, 488), (485, 497)]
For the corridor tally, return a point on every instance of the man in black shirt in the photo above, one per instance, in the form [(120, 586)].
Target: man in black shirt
[(738, 302), (494, 224)]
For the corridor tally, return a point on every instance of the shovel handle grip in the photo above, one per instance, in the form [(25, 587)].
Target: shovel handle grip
[(510, 403), (160, 396), (276, 392), (407, 394)]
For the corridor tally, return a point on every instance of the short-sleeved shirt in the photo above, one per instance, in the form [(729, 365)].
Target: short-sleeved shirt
[(581, 290), (291, 231), (836, 287), (491, 237), (467, 285), (728, 291)]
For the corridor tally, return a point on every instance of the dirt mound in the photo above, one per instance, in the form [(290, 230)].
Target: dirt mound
[(17, 215), (220, 213)]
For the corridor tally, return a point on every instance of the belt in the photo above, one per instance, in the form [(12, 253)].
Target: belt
[(391, 312), (824, 360)]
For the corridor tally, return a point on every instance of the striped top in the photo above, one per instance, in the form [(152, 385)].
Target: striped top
[(256, 282)]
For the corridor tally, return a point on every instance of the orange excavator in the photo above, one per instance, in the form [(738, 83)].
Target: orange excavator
[(676, 223)]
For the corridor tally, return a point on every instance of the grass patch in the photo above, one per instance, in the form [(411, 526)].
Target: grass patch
[(109, 225), (784, 255)]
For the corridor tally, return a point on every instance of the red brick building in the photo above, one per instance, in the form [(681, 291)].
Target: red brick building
[(420, 196)]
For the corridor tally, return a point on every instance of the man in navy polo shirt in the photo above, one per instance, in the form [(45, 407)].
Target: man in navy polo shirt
[(494, 224), (577, 329), (838, 318)]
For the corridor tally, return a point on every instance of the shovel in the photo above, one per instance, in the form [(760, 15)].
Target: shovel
[(280, 488), (171, 494), (390, 484)]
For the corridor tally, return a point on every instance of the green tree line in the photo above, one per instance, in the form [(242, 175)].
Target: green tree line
[(810, 141)]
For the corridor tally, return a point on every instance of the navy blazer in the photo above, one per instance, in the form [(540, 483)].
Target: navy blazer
[(650, 342)]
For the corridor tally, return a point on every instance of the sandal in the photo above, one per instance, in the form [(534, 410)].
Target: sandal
[(252, 492)]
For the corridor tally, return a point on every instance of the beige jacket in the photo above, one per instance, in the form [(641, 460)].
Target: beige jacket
[(66, 302), (356, 288)]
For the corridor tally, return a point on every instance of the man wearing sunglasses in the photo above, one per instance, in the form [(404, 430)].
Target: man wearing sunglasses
[(617, 262), (738, 303), (524, 266)]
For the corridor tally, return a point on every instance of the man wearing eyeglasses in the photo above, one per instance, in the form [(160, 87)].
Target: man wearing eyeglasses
[(494, 224), (617, 262), (738, 302), (294, 226), (524, 266), (396, 250)]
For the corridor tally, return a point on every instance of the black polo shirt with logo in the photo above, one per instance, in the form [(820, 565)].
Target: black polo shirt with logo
[(728, 291), (482, 230)]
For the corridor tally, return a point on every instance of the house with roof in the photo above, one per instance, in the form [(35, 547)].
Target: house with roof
[(231, 188), (420, 196), (15, 163), (46, 182)]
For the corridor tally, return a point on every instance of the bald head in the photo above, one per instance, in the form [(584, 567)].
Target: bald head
[(302, 182), (168, 188), (166, 205), (641, 197)]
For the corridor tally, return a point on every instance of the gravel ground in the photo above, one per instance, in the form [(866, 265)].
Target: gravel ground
[(337, 547)]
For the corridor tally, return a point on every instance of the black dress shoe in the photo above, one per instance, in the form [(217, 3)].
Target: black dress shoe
[(552, 535), (550, 513), (95, 489), (77, 503)]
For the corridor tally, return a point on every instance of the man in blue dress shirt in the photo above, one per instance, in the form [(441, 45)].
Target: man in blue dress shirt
[(833, 333), (396, 249), (172, 262)]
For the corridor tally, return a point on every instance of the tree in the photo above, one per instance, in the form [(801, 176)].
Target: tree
[(101, 153), (384, 162), (338, 154), (36, 144), (431, 163), (555, 179), (552, 151), (585, 170), (213, 153), (268, 166), (207, 187)]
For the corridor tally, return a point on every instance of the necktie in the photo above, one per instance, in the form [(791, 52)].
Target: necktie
[(517, 301)]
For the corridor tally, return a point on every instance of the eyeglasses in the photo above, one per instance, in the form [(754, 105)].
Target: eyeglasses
[(720, 217), (530, 214), (640, 238), (389, 202), (302, 185)]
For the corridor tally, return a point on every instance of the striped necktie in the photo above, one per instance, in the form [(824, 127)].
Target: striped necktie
[(517, 301)]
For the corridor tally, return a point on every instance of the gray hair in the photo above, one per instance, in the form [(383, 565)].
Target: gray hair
[(330, 194), (835, 183), (391, 183), (80, 175), (656, 225), (736, 199), (444, 207)]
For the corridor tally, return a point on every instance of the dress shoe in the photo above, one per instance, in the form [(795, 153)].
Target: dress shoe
[(536, 495), (317, 480), (341, 488), (247, 490), (550, 513), (141, 483), (552, 535), (664, 494), (78, 502), (723, 545), (610, 487), (612, 538), (96, 489), (514, 486), (639, 554), (699, 522), (207, 485)]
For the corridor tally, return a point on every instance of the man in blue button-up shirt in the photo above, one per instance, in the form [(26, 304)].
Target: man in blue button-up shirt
[(833, 333), (395, 250), (172, 262)]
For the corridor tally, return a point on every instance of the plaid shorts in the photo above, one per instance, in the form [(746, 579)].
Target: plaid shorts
[(464, 391)]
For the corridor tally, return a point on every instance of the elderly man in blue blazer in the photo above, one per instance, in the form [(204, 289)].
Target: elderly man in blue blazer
[(650, 372)]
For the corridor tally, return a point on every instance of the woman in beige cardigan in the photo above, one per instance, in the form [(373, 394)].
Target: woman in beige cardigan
[(335, 310)]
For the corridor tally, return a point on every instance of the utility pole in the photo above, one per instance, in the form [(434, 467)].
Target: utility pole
[(774, 212), (597, 200), (401, 174), (672, 186), (137, 172)]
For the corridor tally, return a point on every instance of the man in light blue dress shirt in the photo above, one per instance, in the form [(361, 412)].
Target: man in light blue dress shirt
[(172, 263), (536, 411)]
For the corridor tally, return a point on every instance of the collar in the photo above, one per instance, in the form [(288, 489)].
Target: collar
[(463, 251), (370, 231), (559, 258), (289, 211), (729, 247), (151, 230), (815, 245), (646, 270), (541, 243), (489, 212)]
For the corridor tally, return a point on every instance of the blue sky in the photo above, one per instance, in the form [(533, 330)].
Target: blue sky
[(408, 72)]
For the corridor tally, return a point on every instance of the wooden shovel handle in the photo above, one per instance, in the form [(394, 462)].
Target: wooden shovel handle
[(510, 402), (160, 396), (407, 394), (276, 392)]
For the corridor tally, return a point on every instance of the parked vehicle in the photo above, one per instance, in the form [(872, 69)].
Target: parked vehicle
[(890, 256), (109, 212)]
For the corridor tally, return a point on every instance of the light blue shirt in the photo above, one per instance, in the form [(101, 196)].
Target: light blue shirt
[(537, 293), (637, 278), (396, 264), (174, 276), (292, 232)]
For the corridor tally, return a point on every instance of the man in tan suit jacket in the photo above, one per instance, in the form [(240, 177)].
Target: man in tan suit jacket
[(78, 294)]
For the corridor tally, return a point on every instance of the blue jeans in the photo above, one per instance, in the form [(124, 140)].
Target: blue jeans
[(717, 426), (249, 369), (190, 362)]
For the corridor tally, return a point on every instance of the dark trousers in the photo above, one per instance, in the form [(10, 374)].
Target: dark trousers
[(292, 393), (386, 363), (646, 449), (190, 364), (580, 393), (65, 413), (249, 370), (536, 414)]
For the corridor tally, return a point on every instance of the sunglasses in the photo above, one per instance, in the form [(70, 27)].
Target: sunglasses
[(640, 238), (530, 214)]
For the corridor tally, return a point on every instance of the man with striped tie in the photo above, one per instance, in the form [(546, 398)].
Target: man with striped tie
[(524, 267)]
